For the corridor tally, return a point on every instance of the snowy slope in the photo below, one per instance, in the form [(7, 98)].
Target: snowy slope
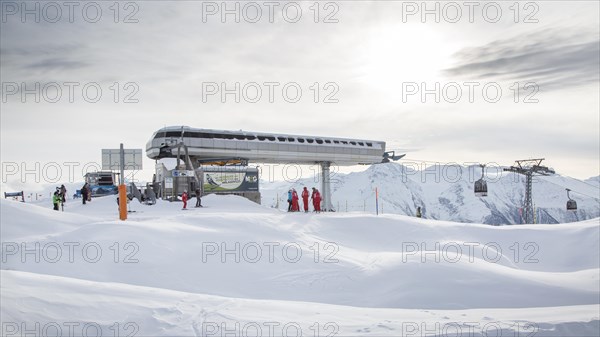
[(173, 272), (141, 311), (446, 193)]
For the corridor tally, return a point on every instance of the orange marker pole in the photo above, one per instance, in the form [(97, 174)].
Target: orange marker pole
[(122, 202)]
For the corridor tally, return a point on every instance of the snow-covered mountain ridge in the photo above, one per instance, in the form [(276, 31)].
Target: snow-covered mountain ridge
[(446, 193)]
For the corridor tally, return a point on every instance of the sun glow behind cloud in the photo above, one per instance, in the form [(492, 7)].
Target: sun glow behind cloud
[(403, 53)]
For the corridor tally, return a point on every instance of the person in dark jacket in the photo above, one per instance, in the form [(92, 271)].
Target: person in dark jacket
[(289, 199), (63, 193), (419, 212), (85, 193), (198, 196)]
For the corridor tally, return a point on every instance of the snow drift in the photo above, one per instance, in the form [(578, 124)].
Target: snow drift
[(236, 265)]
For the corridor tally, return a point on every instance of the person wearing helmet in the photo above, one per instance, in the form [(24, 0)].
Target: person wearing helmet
[(184, 198)]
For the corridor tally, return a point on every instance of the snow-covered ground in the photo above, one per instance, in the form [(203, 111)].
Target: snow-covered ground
[(238, 268)]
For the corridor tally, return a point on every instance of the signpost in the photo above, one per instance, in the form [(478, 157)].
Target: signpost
[(112, 159), (15, 195), (122, 159), (168, 185)]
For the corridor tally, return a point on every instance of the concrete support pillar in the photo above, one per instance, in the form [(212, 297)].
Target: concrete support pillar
[(326, 187)]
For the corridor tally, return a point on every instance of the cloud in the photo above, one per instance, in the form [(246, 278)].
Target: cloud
[(56, 64), (550, 58), (171, 52)]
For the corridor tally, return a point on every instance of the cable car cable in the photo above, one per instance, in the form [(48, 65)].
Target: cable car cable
[(572, 190)]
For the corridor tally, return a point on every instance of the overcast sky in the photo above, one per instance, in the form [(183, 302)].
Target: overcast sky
[(371, 61)]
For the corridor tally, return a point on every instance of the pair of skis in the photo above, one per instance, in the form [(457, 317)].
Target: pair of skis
[(185, 209)]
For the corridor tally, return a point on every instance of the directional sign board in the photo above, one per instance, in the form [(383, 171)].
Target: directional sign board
[(111, 159), (180, 173)]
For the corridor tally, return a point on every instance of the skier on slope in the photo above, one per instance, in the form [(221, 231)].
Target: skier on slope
[(56, 198), (63, 193), (89, 193), (84, 193), (318, 201), (198, 195), (316, 197), (305, 198), (295, 206), (184, 198), (289, 200)]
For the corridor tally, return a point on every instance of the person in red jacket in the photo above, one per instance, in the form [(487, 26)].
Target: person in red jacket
[(316, 196), (318, 201), (184, 198), (295, 206), (305, 198)]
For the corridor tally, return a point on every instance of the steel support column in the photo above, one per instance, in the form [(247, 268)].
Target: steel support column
[(326, 187), (528, 204)]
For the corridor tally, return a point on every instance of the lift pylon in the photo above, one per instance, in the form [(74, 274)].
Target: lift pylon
[(529, 168)]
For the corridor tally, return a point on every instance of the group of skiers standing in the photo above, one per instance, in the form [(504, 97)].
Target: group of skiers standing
[(293, 204), (59, 197)]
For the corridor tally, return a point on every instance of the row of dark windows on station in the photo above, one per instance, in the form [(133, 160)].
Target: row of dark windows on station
[(261, 138)]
